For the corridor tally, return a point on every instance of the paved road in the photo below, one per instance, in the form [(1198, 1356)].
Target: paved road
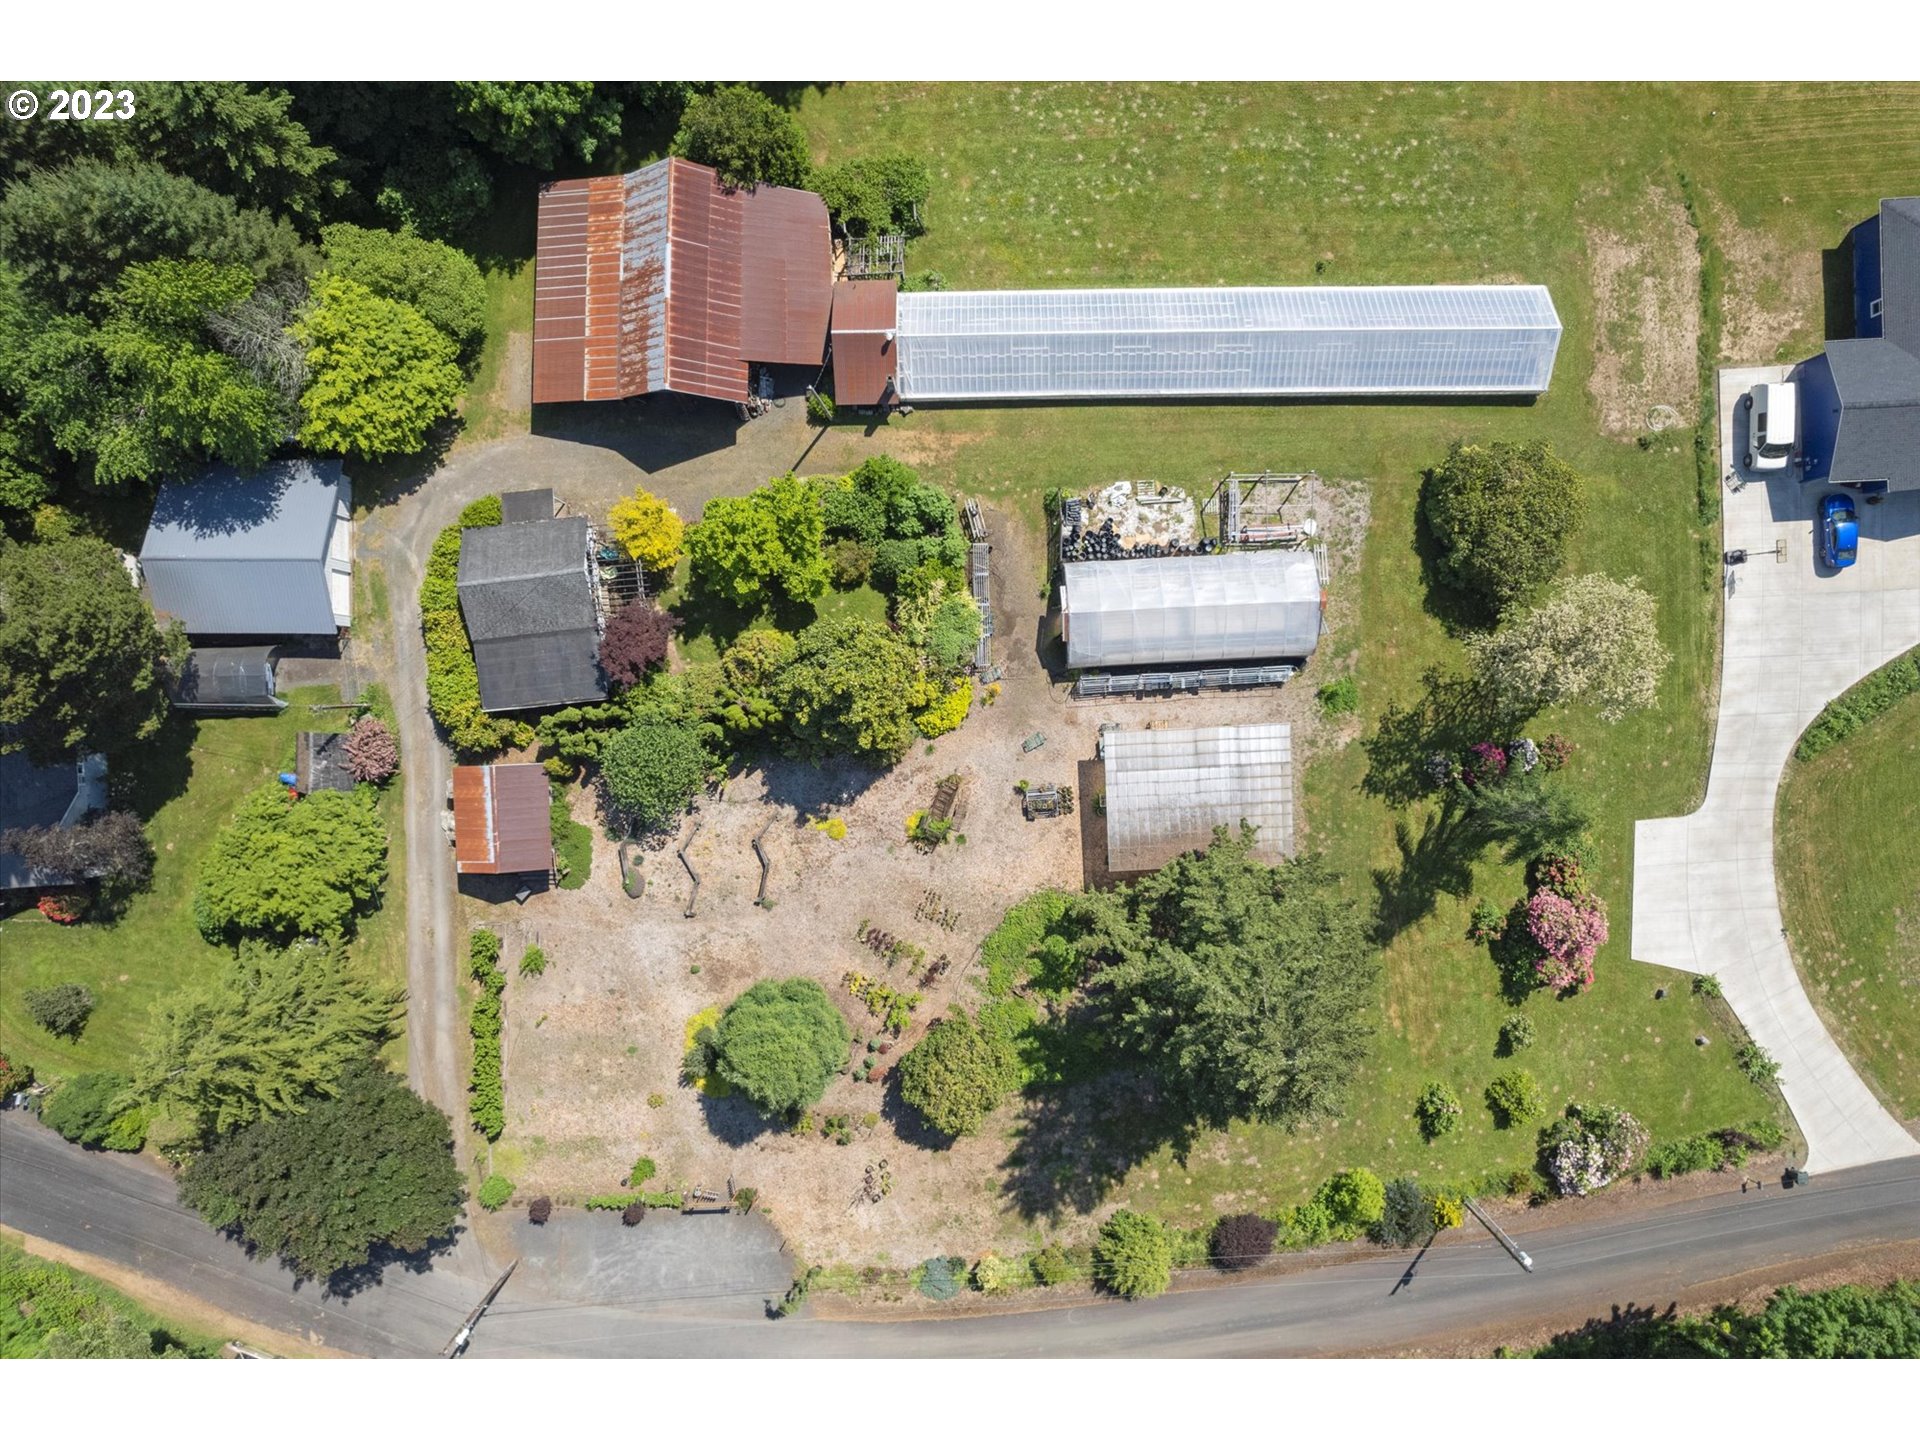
[(588, 1287), (1704, 897)]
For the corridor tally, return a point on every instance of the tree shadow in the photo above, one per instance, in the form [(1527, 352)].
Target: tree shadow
[(358, 1279), (1453, 714), (145, 778), (734, 1120), (1435, 861), (909, 1124), (382, 482), (1513, 954), (1075, 1143), (1630, 1332), (809, 786)]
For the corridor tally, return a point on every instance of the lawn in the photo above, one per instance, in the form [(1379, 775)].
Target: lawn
[(1580, 188), (184, 785), (709, 625), (1850, 894)]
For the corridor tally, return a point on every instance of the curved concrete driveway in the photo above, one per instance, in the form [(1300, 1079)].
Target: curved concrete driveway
[(1704, 897)]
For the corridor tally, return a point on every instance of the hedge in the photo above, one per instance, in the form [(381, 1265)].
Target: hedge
[(488, 1105), (1862, 703), (453, 680)]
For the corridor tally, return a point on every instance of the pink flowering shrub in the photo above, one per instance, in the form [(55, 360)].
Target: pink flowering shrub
[(1486, 764), (372, 753), (1568, 932), (1593, 1146)]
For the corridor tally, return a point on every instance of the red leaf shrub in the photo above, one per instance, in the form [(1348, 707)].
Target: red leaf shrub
[(14, 1075), (636, 641), (1568, 932), (1486, 764), (372, 753), (1555, 751), (1562, 874), (541, 1210), (62, 909)]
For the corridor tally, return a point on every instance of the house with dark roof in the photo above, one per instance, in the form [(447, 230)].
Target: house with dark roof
[(227, 680), (527, 596), (502, 820), (267, 554), (1860, 401), (44, 797)]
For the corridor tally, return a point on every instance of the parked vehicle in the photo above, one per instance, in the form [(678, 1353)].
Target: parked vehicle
[(1773, 425), (1839, 531)]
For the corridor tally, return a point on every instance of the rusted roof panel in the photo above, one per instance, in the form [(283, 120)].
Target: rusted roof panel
[(786, 275), (664, 279), (501, 824), (863, 340), (576, 321)]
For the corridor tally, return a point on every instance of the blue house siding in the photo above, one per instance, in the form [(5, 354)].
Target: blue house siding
[(1819, 418), (1866, 277)]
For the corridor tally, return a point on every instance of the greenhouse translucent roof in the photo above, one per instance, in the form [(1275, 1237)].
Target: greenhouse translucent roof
[(1250, 605), (1168, 789), (1301, 340)]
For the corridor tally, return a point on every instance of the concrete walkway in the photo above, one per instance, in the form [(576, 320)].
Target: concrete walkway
[(1704, 897)]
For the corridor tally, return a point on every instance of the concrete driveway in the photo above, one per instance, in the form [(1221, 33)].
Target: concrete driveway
[(1704, 897)]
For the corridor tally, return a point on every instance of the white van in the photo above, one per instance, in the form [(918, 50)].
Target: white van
[(1773, 425)]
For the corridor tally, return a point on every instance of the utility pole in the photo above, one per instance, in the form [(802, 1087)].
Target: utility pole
[(1524, 1260), (459, 1342)]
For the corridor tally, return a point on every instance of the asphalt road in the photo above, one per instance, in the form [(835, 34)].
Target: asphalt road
[(589, 1287)]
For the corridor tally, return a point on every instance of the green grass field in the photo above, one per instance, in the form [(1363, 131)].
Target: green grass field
[(1076, 185), (40, 1296), (184, 786), (1850, 894)]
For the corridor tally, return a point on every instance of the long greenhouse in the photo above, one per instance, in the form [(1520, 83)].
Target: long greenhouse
[(1191, 609), (1252, 341)]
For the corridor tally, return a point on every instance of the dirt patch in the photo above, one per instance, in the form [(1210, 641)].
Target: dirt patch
[(1771, 303), (1646, 333), (593, 1046)]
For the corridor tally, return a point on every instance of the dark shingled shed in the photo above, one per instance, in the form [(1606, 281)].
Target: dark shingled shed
[(528, 603)]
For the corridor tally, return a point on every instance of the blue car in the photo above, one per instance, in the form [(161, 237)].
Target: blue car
[(1839, 532)]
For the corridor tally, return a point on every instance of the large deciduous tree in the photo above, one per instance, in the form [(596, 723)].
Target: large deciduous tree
[(1594, 641), (440, 282), (1503, 515), (780, 1043), (288, 867), (71, 231), (369, 1167), (379, 376), (280, 1027), (80, 654), (958, 1073), (650, 772), (540, 123), (761, 548), (1245, 986), (850, 688), (745, 136)]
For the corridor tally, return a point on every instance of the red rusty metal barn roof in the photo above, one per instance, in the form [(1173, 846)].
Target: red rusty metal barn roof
[(863, 340), (665, 279), (501, 820)]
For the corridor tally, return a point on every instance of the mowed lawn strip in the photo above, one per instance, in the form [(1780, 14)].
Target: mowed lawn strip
[(1850, 893), (185, 785)]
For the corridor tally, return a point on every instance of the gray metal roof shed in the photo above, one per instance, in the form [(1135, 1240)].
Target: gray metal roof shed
[(528, 603), (262, 554), (1168, 789), (1191, 609)]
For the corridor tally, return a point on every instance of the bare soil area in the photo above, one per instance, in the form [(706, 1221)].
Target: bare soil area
[(1646, 334), (1771, 303), (593, 1047)]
